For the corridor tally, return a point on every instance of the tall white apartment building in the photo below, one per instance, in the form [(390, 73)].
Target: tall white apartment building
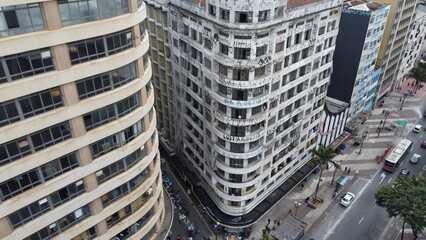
[(401, 15), (250, 84), (415, 47), (78, 141)]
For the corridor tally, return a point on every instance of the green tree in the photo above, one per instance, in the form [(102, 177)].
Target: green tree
[(419, 74), (265, 235), (407, 199), (323, 155)]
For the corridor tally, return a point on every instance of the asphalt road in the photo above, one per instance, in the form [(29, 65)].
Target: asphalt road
[(363, 219)]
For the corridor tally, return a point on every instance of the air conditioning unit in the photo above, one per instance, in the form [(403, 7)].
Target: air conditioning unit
[(149, 191)]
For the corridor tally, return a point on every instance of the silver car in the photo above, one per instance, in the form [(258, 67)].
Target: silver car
[(347, 199), (415, 158)]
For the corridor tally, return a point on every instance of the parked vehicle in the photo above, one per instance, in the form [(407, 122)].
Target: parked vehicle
[(405, 172), (347, 199), (423, 145), (417, 128), (415, 158)]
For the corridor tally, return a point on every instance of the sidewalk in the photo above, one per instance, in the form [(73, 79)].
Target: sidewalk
[(362, 165)]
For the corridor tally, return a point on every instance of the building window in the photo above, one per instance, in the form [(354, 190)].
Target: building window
[(81, 11), (208, 43), (25, 64), (241, 53), (260, 51), (260, 72), (244, 17), (278, 12), (89, 233), (107, 81), (62, 224), (112, 112), (127, 210), (19, 19), (224, 14), (24, 146), (120, 166), (32, 178), (30, 105), (136, 226), (99, 47), (117, 140), (223, 48), (263, 15), (40, 207), (124, 189), (279, 46), (212, 10), (223, 69), (241, 74)]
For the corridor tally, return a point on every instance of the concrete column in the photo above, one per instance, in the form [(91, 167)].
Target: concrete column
[(5, 228), (62, 56), (91, 182), (133, 6), (97, 206), (51, 15), (85, 155), (101, 228)]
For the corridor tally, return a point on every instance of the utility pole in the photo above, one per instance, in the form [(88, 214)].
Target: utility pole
[(403, 100), (364, 136)]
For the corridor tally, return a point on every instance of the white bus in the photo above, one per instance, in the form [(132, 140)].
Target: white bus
[(394, 159)]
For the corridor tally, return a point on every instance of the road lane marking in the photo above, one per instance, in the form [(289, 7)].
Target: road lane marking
[(411, 149), (383, 176), (341, 216), (361, 220), (402, 162), (421, 136), (386, 228), (390, 180)]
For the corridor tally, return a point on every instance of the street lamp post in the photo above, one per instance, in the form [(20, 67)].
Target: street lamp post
[(297, 206), (364, 136), (403, 100)]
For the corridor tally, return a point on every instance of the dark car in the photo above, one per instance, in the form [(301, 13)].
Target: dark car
[(405, 172), (423, 145)]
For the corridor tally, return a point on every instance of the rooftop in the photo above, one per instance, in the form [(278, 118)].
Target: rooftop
[(363, 5)]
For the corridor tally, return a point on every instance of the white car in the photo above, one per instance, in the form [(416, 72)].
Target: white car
[(347, 199), (415, 158), (417, 128)]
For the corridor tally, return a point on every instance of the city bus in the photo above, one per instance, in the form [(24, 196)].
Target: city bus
[(397, 155)]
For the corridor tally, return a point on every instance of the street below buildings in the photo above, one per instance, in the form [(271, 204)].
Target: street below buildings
[(363, 219)]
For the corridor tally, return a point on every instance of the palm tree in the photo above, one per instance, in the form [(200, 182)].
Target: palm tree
[(323, 155), (419, 74)]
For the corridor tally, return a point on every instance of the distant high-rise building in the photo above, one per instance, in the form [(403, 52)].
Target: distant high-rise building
[(401, 15), (360, 32), (162, 74), (415, 47), (250, 84), (78, 141)]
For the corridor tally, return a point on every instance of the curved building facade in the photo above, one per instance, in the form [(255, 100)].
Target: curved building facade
[(78, 141), (251, 79)]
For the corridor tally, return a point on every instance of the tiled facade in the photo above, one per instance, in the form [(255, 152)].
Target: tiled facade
[(78, 138)]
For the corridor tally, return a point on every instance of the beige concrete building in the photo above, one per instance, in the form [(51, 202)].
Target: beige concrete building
[(157, 27), (78, 141), (401, 15)]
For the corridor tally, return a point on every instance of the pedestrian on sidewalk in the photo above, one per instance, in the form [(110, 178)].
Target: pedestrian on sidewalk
[(349, 170), (334, 195), (346, 169), (302, 186)]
